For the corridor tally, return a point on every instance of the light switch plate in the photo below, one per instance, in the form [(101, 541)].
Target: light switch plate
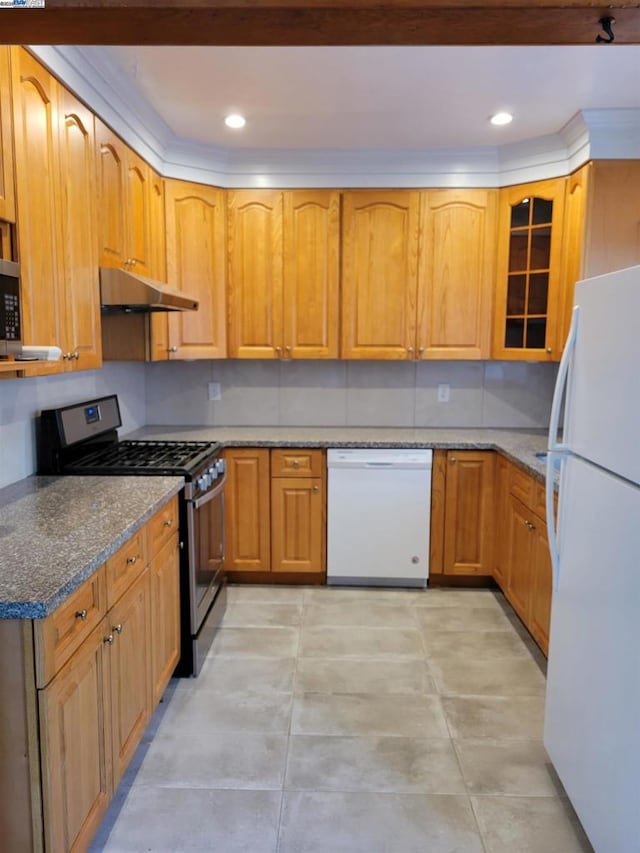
[(215, 391), (444, 390)]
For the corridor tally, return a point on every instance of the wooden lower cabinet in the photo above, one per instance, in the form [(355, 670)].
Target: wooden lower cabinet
[(297, 528), (275, 513), (75, 742), (247, 523), (468, 513), (501, 520), (81, 686), (518, 588), (164, 576), (539, 620), (523, 564), (129, 642)]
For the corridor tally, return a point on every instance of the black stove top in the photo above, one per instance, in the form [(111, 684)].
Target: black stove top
[(147, 457)]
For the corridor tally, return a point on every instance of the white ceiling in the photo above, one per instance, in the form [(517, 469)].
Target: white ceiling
[(376, 97)]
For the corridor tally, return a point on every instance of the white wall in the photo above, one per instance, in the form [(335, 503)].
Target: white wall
[(351, 393), (22, 399)]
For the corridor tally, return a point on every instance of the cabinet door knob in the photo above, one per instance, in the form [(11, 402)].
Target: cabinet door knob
[(168, 522), (296, 463), (410, 350), (108, 639), (549, 350), (316, 488), (81, 614), (131, 561), (453, 460), (117, 629), (172, 349), (278, 350), (420, 350), (287, 350)]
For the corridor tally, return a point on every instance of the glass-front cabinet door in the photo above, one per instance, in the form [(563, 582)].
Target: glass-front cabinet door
[(526, 318)]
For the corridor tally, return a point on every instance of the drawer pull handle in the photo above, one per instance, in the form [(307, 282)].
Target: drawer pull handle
[(81, 614), (296, 463), (132, 561), (117, 629), (168, 522), (108, 640)]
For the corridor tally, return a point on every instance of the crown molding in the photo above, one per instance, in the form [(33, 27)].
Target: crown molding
[(106, 89)]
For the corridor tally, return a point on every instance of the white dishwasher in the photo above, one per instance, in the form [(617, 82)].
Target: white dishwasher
[(378, 514)]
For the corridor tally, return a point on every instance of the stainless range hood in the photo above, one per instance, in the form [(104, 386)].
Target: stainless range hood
[(126, 292)]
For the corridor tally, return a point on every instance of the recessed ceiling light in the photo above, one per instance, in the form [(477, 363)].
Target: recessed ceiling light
[(235, 120), (501, 118)]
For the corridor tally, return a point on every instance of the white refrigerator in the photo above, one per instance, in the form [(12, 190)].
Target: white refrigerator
[(592, 715)]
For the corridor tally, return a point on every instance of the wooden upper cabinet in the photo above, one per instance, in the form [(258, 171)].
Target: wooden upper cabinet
[(573, 245), (457, 271), (528, 305), (111, 169), (139, 255), (35, 111), (612, 232), (379, 273), (7, 194), (78, 212), (311, 274), (255, 274), (159, 344), (469, 511), (195, 219)]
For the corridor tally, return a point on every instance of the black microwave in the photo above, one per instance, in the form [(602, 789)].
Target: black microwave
[(10, 327)]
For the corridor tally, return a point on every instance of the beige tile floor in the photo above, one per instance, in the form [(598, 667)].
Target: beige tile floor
[(364, 721)]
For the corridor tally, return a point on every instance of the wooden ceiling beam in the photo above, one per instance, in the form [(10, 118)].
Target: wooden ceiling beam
[(318, 22)]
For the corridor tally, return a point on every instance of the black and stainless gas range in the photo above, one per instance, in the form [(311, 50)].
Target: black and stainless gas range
[(83, 439)]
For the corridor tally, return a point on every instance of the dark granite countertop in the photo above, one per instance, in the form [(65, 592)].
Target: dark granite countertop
[(520, 446), (56, 531)]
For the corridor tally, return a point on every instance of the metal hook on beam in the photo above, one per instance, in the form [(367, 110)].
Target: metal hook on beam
[(606, 23)]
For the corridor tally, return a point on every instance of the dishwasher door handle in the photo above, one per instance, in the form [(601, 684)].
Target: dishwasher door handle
[(379, 464)]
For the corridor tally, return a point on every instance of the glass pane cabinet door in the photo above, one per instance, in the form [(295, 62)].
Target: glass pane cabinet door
[(526, 321)]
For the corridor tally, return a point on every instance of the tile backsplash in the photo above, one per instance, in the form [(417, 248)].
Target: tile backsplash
[(286, 393), (22, 399), (354, 393)]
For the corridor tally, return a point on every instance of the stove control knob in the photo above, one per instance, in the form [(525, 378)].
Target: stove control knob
[(213, 473), (203, 483), (220, 466)]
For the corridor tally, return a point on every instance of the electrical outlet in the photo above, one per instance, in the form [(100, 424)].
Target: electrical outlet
[(444, 390), (215, 391)]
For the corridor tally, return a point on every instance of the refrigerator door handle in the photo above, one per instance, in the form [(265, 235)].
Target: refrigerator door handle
[(552, 533), (561, 383)]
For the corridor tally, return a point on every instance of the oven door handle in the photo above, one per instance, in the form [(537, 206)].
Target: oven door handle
[(209, 496)]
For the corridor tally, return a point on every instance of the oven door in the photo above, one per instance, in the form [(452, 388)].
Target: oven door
[(205, 525)]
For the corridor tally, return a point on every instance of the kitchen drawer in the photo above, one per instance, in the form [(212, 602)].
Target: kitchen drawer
[(539, 500), (521, 486), (539, 505), (60, 634), (126, 565), (297, 463), (163, 526)]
